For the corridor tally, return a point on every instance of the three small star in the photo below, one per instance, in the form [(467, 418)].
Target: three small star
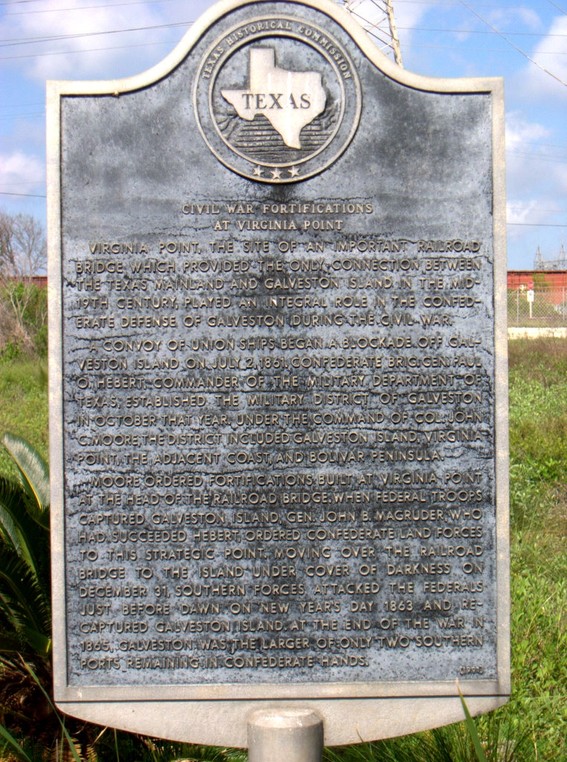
[(276, 173)]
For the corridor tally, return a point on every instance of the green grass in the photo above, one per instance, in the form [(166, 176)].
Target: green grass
[(533, 725), (23, 405), (538, 447)]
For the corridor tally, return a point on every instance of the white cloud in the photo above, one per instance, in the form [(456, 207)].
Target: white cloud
[(508, 18), (69, 40), (560, 172), (20, 173), (534, 180), (522, 212), (519, 131), (529, 18), (548, 75), (526, 155)]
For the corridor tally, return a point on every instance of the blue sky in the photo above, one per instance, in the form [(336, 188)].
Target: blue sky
[(526, 43)]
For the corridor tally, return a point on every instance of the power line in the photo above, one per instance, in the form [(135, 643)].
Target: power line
[(165, 42), (535, 225), (512, 45), (84, 50), (187, 24), (24, 195), (28, 12), (84, 35), (556, 6), (27, 181), (479, 31)]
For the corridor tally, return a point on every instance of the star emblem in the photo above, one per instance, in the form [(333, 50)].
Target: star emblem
[(276, 174), (258, 171), (293, 172)]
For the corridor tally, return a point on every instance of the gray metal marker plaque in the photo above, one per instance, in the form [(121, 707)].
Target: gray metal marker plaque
[(278, 396)]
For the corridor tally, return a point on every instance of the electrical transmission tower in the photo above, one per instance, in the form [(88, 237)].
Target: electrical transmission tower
[(377, 18), (560, 263)]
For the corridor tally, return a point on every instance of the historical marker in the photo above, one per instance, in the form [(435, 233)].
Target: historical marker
[(278, 385)]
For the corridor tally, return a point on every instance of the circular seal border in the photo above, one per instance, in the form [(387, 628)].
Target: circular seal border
[(288, 163), (279, 27)]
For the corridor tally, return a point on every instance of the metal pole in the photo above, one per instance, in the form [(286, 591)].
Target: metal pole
[(394, 33), (285, 735), (365, 11)]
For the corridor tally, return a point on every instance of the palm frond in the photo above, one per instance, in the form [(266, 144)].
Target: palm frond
[(17, 528), (33, 472), (25, 604), (10, 643)]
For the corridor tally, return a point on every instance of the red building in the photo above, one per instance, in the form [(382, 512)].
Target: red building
[(552, 282)]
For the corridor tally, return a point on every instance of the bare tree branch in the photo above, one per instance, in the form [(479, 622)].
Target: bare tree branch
[(22, 246)]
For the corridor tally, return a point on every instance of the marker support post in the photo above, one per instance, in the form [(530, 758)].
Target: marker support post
[(285, 735)]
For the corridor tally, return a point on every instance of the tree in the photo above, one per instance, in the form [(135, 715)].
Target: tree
[(22, 246), (23, 310)]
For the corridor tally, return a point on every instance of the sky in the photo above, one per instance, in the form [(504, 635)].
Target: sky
[(524, 42)]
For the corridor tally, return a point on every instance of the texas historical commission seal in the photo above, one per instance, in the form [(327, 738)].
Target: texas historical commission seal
[(277, 99)]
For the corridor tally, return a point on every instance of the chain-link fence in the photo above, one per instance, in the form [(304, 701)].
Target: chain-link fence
[(537, 307)]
